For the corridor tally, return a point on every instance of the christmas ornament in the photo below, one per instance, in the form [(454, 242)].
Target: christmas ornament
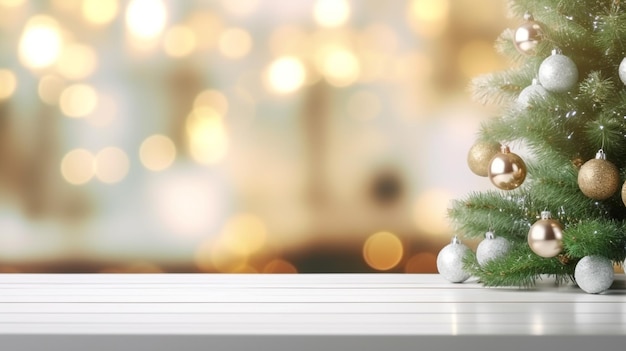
[(479, 156), (558, 73), (506, 170), (624, 194), (450, 261), (527, 36), (594, 274), (598, 178), (532, 92), (491, 248), (545, 236), (622, 71)]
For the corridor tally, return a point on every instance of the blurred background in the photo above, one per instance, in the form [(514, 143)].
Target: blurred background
[(261, 136)]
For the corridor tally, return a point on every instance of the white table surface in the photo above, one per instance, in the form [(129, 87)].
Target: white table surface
[(365, 311)]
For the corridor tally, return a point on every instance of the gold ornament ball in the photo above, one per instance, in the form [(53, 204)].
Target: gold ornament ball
[(480, 155), (527, 36), (598, 178), (507, 170), (545, 236), (624, 193)]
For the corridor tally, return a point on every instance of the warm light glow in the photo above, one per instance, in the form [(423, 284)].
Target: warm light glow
[(213, 99), (78, 100), (111, 165), (105, 112), (363, 105), (50, 89), (331, 13), (157, 152), (423, 262), (288, 40), (383, 251), (431, 210), (235, 43), (240, 8), (78, 166), (99, 11), (286, 74), (208, 142), (478, 57), (146, 19), (429, 17), (77, 61), (179, 41), (11, 3), (340, 67), (279, 266), (41, 43), (244, 234), (8, 83)]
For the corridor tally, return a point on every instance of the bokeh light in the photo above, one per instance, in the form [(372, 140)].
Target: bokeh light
[(477, 57), (99, 12), (207, 138), (363, 105), (279, 266), (244, 234), (331, 13), (146, 19), (78, 166), (179, 41), (286, 74), (78, 100), (431, 209), (157, 152), (240, 8), (235, 43), (50, 88), (8, 83), (429, 18), (213, 99), (41, 42), (12, 3), (423, 262), (111, 165), (77, 61), (339, 66), (383, 251)]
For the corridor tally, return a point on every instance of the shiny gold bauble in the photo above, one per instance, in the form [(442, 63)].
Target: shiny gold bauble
[(480, 155), (506, 170), (527, 36), (598, 178), (624, 193), (545, 236)]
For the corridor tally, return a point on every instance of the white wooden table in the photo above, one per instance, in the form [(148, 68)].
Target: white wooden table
[(300, 312)]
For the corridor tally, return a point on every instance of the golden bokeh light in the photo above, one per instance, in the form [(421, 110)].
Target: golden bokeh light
[(339, 66), (78, 166), (146, 19), (157, 152), (50, 88), (41, 42), (331, 13), (383, 251), (363, 105), (430, 211), (207, 138), (286, 74), (105, 112), (77, 61), (478, 57), (8, 83), (423, 262), (234, 43), (240, 8), (288, 40), (244, 234), (12, 3), (111, 165), (279, 266), (206, 26), (212, 99), (429, 18), (78, 100), (179, 41), (100, 12)]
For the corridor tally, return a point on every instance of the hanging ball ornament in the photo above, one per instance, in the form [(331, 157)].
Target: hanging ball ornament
[(506, 170), (479, 156), (545, 236), (532, 92), (491, 247), (622, 70), (598, 178), (624, 195), (450, 261), (594, 274), (527, 36), (558, 73)]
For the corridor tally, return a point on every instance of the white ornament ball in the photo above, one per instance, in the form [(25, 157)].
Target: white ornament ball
[(532, 92), (450, 261), (491, 247), (622, 71), (558, 73), (594, 274)]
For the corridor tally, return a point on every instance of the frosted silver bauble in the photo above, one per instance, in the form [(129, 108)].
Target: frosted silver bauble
[(491, 248), (594, 274), (532, 92), (558, 73), (450, 261), (622, 71)]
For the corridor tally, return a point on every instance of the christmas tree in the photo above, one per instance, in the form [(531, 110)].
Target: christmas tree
[(559, 209)]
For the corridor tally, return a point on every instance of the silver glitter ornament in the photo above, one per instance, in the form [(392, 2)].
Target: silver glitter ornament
[(532, 92), (594, 274), (558, 73), (450, 261), (491, 247), (622, 71)]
